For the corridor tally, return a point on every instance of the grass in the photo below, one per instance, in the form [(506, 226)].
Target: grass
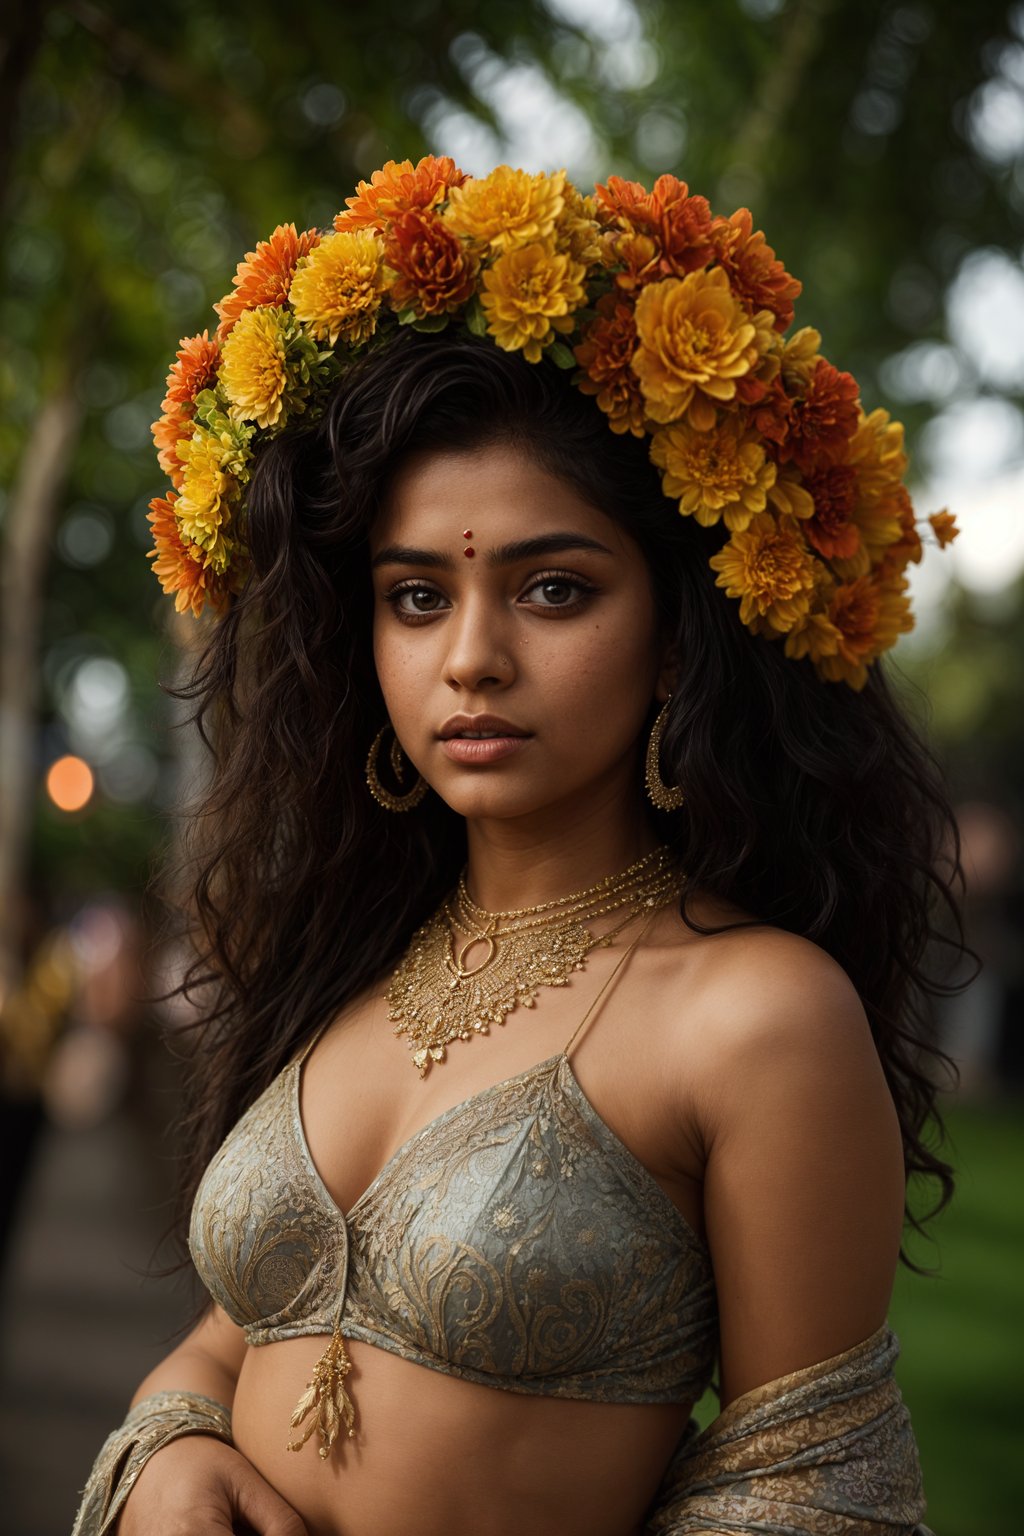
[(961, 1332)]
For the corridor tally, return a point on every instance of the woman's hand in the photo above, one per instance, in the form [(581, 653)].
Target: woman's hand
[(198, 1486)]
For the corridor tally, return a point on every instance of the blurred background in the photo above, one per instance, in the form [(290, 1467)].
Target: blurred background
[(143, 150)]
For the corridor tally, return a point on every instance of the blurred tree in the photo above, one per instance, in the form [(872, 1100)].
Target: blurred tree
[(149, 148)]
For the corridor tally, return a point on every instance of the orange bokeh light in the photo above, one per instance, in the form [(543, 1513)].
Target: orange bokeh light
[(70, 783)]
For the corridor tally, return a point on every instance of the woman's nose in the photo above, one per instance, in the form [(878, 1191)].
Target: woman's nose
[(479, 652)]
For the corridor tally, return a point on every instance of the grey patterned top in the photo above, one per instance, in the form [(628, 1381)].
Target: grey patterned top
[(514, 1241)]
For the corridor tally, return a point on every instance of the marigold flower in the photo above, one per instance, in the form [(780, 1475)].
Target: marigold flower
[(528, 295), (337, 288), (944, 528), (869, 614), (676, 224), (507, 209), (695, 341), (822, 422), (576, 232), (254, 373), (832, 530), (767, 567), (720, 474), (194, 370), (790, 497), (636, 258), (399, 187), (755, 273), (181, 568), (265, 276), (435, 272), (605, 355), (215, 468)]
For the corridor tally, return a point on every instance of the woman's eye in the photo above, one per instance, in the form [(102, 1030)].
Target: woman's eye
[(415, 599), (554, 591)]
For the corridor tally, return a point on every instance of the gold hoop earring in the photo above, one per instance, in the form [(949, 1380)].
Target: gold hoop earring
[(383, 796), (665, 797)]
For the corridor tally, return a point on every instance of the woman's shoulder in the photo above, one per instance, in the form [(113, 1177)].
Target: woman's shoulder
[(741, 1003)]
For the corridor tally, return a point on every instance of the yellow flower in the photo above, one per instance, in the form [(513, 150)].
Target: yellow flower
[(506, 209), (723, 473), (529, 293), (214, 465), (790, 496), (337, 288), (766, 566), (577, 232), (254, 368), (695, 340)]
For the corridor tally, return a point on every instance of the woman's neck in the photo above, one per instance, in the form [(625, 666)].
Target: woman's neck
[(511, 866)]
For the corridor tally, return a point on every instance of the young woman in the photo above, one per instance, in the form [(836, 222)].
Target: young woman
[(560, 921)]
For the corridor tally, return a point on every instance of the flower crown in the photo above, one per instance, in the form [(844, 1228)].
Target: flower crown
[(674, 319)]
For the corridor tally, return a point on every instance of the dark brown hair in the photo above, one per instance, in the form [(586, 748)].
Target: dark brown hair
[(818, 808)]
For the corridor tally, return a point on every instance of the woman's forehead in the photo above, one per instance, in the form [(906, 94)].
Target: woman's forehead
[(495, 492)]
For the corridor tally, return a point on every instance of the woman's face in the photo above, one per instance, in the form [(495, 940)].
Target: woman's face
[(548, 625)]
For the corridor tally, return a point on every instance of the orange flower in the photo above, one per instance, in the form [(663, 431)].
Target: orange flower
[(678, 224), (832, 530), (194, 370), (180, 568), (196, 367), (823, 421), (435, 272), (754, 271), (767, 567), (869, 614), (907, 549), (265, 276), (508, 208), (529, 293), (696, 340), (944, 528), (722, 473), (605, 355), (397, 188)]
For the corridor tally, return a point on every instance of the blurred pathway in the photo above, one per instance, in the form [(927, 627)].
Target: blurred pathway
[(79, 1327)]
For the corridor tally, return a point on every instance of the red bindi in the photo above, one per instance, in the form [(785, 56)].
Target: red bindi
[(467, 533), (469, 550)]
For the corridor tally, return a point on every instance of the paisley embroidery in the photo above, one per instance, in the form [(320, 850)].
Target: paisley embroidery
[(514, 1241)]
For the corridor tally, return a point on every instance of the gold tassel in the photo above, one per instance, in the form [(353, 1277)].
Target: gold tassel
[(325, 1398)]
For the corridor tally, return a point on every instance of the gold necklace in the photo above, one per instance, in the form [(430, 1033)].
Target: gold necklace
[(435, 997)]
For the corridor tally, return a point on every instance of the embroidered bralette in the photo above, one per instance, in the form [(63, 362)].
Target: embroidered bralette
[(514, 1241)]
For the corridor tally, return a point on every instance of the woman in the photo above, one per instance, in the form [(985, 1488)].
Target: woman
[(493, 747)]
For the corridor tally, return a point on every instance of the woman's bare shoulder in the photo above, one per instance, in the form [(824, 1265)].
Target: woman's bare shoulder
[(747, 995)]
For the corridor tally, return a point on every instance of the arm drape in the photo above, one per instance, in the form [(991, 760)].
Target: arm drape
[(827, 1450)]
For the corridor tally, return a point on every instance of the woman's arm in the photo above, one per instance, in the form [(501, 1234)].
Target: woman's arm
[(197, 1483), (804, 1190), (208, 1360)]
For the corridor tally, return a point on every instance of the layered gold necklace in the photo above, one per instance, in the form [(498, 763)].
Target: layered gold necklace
[(437, 996)]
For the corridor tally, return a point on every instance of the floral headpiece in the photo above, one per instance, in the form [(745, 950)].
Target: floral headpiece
[(674, 319)]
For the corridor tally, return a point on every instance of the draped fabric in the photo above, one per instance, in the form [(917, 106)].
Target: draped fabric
[(827, 1450)]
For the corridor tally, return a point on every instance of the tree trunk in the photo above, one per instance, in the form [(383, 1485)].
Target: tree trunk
[(31, 515)]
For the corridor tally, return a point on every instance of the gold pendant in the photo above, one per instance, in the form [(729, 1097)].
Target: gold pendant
[(435, 998)]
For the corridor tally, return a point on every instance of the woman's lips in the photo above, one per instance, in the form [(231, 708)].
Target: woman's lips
[(483, 750)]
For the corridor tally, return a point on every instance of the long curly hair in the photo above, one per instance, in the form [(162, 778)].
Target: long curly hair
[(817, 808)]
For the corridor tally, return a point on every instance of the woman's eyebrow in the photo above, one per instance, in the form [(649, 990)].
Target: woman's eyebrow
[(501, 554)]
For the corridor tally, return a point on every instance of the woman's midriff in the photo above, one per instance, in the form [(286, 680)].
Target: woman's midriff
[(444, 1457)]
